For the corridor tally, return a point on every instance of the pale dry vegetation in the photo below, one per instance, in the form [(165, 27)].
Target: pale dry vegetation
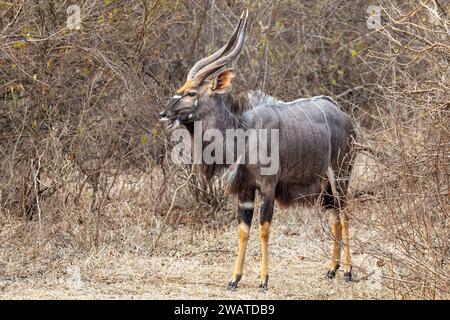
[(91, 205)]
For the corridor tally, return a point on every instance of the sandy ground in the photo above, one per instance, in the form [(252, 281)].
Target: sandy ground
[(198, 264)]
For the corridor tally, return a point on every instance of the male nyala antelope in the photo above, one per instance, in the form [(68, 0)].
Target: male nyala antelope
[(315, 150)]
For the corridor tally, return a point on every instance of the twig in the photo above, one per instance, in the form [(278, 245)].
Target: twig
[(198, 30), (170, 210)]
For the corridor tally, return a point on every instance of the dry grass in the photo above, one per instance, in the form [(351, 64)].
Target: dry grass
[(181, 269), (193, 259)]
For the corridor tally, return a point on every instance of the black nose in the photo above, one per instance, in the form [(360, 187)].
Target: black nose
[(163, 114)]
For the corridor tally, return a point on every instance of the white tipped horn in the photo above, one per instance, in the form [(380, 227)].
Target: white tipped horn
[(219, 53), (230, 56)]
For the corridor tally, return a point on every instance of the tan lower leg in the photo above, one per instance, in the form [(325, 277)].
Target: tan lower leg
[(336, 229), (347, 262), (244, 231), (264, 230)]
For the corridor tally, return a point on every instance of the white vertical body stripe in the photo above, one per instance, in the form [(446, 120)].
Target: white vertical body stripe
[(247, 205)]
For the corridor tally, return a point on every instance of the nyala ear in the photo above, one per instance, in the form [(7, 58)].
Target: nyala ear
[(222, 82)]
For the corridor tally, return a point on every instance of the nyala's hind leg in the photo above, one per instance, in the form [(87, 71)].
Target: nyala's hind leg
[(335, 198), (342, 185), (347, 261), (336, 230)]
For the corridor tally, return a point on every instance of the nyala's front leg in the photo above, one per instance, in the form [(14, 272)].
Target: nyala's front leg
[(265, 220), (245, 215)]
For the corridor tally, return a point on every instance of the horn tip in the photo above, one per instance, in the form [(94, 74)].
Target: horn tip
[(245, 12)]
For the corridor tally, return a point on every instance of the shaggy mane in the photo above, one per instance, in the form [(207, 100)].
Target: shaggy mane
[(240, 103), (256, 98), (236, 103)]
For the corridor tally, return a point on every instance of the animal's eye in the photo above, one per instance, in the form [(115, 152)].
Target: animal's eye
[(191, 93)]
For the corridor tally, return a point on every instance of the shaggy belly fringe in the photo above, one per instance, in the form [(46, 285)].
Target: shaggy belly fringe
[(288, 194)]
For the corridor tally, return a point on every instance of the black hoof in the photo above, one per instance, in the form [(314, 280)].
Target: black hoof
[(263, 287), (232, 286), (348, 277), (263, 284), (331, 274), (234, 283)]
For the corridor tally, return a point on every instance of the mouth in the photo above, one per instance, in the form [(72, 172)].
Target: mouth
[(174, 123)]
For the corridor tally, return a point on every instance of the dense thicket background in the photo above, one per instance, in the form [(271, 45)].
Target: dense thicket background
[(82, 155)]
